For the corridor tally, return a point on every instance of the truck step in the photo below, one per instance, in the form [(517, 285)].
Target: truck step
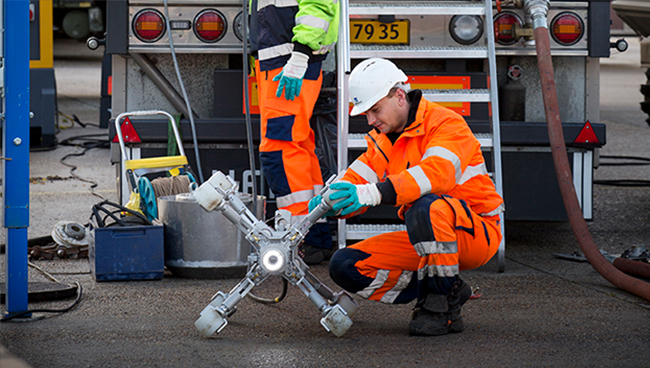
[(457, 95), (485, 139), (365, 231), (358, 51), (420, 8)]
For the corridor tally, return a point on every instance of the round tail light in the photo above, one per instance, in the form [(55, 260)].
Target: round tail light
[(567, 29), (466, 29), (239, 26), (210, 26), (148, 25), (504, 27)]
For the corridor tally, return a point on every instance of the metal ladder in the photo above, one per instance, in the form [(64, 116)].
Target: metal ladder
[(489, 141)]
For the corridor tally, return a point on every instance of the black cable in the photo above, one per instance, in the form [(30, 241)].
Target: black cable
[(277, 299), (88, 145), (93, 184), (624, 183), (626, 157), (624, 163), (638, 158), (138, 218), (74, 119), (11, 316)]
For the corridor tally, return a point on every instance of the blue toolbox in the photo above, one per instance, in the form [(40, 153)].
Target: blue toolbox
[(125, 250)]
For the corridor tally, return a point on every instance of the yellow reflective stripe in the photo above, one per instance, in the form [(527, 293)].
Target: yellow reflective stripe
[(364, 171), (443, 152), (421, 179), (402, 283), (312, 21), (472, 171)]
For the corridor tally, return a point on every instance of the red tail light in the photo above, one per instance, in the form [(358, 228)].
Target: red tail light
[(503, 27), (148, 25), (567, 29), (210, 26)]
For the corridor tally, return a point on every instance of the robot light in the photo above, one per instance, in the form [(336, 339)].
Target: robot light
[(273, 260)]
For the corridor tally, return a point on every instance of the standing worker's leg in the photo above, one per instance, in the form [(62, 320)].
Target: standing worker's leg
[(287, 153), (452, 238)]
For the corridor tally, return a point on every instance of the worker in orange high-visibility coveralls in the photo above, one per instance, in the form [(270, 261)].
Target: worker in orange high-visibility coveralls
[(423, 158), (290, 39)]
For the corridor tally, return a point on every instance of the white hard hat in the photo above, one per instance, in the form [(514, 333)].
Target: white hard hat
[(370, 81)]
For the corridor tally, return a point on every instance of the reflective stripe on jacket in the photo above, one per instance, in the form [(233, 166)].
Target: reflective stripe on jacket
[(437, 154), (277, 24)]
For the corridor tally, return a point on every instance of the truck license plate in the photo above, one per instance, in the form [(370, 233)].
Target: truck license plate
[(365, 31)]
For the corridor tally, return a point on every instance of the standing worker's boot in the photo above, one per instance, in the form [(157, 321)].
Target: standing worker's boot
[(317, 246), (438, 314)]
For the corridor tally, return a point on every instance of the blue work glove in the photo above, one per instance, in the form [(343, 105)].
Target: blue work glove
[(314, 202), (349, 198), (291, 76)]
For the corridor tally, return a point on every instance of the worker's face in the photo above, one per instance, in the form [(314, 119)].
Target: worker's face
[(388, 114)]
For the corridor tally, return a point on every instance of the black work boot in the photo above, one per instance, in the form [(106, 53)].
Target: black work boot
[(431, 316), (440, 314)]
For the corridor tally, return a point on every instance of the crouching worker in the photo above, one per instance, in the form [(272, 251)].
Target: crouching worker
[(424, 159)]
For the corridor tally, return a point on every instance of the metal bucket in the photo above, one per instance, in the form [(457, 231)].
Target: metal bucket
[(204, 245)]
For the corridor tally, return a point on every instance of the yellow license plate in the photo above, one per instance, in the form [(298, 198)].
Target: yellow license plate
[(365, 31)]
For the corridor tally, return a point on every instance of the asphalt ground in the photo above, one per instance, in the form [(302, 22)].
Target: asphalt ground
[(541, 312)]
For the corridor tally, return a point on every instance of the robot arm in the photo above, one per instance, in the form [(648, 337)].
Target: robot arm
[(275, 254)]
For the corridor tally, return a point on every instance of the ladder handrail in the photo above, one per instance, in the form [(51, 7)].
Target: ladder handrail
[(494, 88), (343, 72), (495, 127)]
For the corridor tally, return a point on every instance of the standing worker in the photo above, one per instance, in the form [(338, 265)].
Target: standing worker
[(290, 39), (423, 158)]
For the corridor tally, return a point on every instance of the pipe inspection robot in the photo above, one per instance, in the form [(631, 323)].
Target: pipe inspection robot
[(275, 252)]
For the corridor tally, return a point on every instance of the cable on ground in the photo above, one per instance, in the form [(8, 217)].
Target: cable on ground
[(11, 316)]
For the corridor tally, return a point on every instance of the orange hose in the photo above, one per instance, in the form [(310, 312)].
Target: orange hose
[(563, 172)]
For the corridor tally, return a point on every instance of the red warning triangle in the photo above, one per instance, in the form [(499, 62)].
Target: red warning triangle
[(128, 133), (587, 135)]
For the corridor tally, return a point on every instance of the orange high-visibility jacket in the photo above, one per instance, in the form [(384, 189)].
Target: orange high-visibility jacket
[(438, 154)]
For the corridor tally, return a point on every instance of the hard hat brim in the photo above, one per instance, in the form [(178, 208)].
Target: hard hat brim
[(366, 105), (359, 109)]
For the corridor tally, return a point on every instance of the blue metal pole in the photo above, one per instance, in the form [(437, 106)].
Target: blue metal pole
[(15, 148)]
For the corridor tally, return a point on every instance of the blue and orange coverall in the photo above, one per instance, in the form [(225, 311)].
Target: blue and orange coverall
[(435, 172), (287, 155)]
